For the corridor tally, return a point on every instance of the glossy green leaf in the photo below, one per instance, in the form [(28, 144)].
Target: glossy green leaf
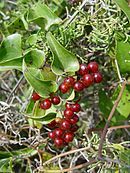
[(63, 60), (123, 4), (34, 58), (32, 39), (19, 24), (44, 88), (42, 15), (124, 105), (11, 48), (123, 53)]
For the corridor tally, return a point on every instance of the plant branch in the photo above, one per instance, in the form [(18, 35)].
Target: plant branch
[(109, 119)]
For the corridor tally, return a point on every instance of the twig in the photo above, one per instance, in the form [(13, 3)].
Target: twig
[(109, 119), (16, 86), (73, 168), (76, 12), (66, 153)]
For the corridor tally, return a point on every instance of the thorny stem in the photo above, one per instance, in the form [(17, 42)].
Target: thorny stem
[(109, 119)]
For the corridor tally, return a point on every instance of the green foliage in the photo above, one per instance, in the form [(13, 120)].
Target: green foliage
[(63, 60)]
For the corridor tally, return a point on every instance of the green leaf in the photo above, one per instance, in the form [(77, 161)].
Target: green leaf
[(6, 165), (124, 105), (63, 60), (45, 17), (19, 24), (11, 48), (44, 88), (32, 39), (123, 53), (45, 119), (123, 4), (34, 58)]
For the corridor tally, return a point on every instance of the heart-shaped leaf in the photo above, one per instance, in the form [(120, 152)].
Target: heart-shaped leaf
[(123, 53), (44, 88), (11, 48), (63, 60), (43, 16)]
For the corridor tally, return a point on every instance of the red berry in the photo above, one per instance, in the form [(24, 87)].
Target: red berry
[(76, 107), (69, 81), (93, 67), (78, 86), (68, 137), (55, 100), (97, 77), (68, 106), (64, 88), (68, 113), (87, 80), (58, 132), (83, 69), (52, 124), (65, 125), (58, 142), (35, 96), (74, 120), (45, 104), (74, 128), (51, 135)]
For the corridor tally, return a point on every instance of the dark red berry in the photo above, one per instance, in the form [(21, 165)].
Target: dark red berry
[(55, 100), (93, 67), (58, 132), (69, 81), (68, 137), (74, 128), (45, 104), (83, 69), (51, 135), (74, 120), (58, 142), (52, 124), (68, 113), (87, 80), (68, 106), (35, 96), (65, 125), (97, 77), (76, 107), (64, 88), (78, 86)]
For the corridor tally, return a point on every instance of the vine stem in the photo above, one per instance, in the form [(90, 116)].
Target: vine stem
[(76, 12), (109, 119)]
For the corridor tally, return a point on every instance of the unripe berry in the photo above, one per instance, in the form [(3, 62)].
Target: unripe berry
[(68, 137), (35, 96), (83, 69), (97, 77), (58, 142), (87, 80), (68, 113), (78, 86), (93, 67), (55, 100), (65, 125), (45, 104), (76, 107), (64, 88)]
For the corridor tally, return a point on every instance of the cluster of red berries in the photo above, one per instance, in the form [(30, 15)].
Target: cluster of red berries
[(63, 129), (88, 74)]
